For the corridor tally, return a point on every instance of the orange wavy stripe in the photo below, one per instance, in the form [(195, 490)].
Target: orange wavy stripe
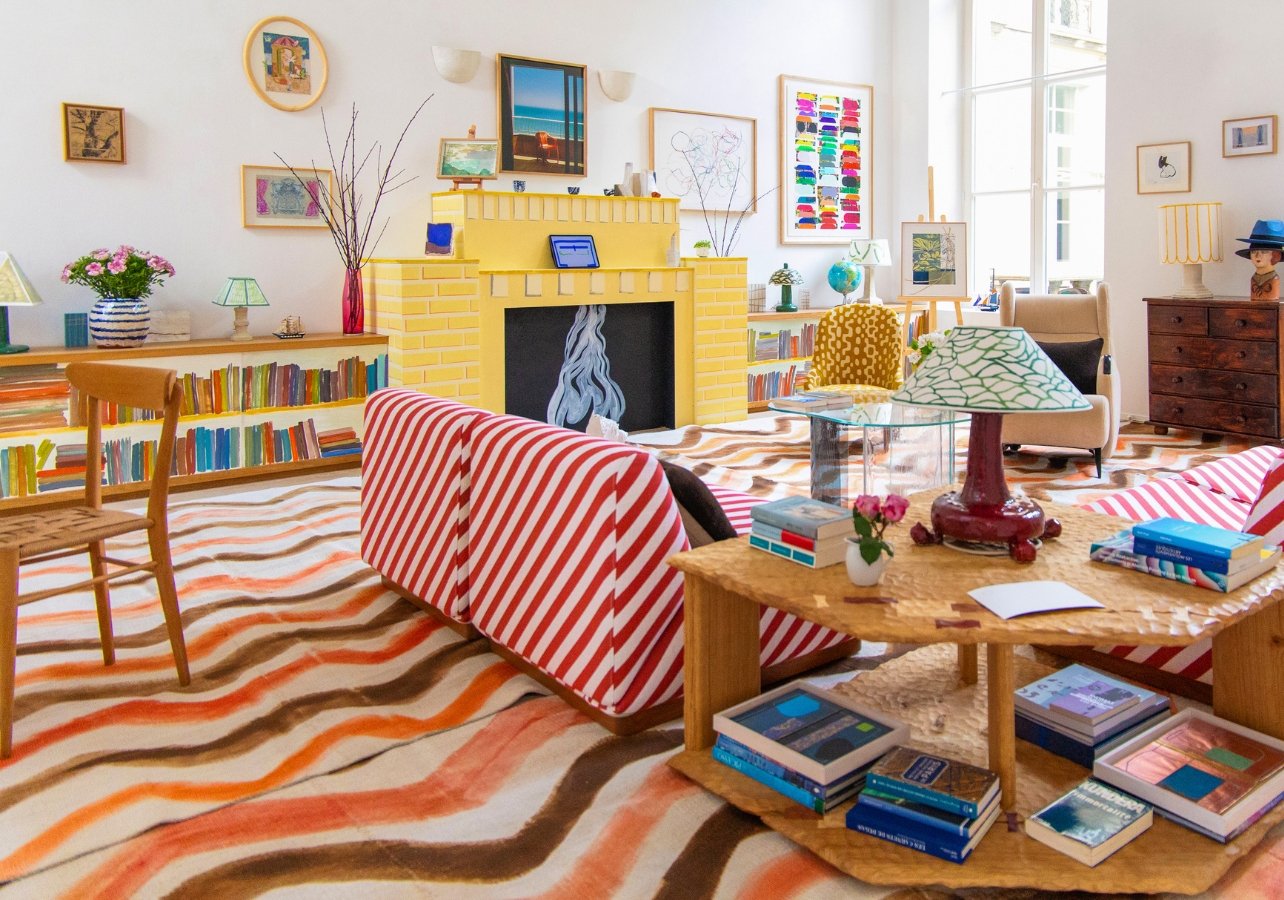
[(468, 778), (788, 876), (202, 645), (392, 728)]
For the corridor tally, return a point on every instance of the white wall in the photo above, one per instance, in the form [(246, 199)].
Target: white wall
[(1176, 70), (192, 120)]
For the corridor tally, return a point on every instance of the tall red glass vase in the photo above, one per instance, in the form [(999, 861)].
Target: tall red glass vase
[(354, 307)]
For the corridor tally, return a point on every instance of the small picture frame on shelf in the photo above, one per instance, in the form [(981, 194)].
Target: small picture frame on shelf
[(93, 133), (1163, 168), (468, 159), (1250, 137)]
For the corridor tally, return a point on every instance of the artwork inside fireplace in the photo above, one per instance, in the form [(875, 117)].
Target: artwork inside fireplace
[(564, 363)]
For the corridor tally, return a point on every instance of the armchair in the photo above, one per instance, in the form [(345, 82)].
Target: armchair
[(1061, 318), (857, 346)]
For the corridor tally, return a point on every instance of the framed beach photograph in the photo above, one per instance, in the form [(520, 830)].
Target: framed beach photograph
[(934, 259), (826, 161), (272, 197), (1163, 168), (93, 133), (709, 154), (542, 116), (285, 63), (468, 158), (1249, 137)]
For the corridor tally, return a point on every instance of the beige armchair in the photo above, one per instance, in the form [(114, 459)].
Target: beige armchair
[(1058, 318)]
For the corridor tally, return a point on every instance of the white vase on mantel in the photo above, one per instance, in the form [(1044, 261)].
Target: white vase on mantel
[(119, 322), (861, 573)]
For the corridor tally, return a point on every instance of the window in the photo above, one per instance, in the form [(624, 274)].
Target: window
[(1036, 177)]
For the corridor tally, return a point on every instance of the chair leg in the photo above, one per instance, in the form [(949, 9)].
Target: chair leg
[(8, 644), (158, 538), (1096, 457), (102, 602)]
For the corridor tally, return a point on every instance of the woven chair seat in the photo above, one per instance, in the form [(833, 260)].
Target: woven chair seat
[(37, 533)]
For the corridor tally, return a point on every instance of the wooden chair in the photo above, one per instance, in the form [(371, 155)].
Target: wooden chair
[(51, 534)]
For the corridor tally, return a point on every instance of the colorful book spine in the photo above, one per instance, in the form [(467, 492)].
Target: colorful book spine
[(911, 791), (901, 831), (930, 816), (1205, 561), (779, 785), (1163, 568), (734, 748), (1198, 538)]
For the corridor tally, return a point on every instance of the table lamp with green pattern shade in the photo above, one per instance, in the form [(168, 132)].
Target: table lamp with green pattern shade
[(15, 290), (786, 278), (989, 371), (240, 293)]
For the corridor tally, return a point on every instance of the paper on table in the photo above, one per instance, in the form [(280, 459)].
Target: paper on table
[(1024, 597)]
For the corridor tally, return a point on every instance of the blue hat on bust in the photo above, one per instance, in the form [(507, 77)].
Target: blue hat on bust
[(1268, 234)]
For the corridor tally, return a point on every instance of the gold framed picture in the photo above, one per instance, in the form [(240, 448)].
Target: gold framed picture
[(93, 133), (272, 197), (285, 63), (1249, 137)]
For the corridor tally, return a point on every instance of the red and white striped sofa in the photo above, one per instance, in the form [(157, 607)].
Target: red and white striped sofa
[(1217, 493), (552, 545)]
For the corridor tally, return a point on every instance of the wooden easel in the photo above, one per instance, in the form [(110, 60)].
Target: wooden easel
[(476, 182), (931, 302)]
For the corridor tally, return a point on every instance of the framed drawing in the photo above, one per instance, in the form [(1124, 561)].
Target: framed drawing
[(93, 133), (541, 116), (468, 158), (272, 197), (826, 161), (1249, 137), (1163, 168), (709, 161), (285, 63), (934, 259)]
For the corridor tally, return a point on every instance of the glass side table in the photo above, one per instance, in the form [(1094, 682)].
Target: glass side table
[(903, 448)]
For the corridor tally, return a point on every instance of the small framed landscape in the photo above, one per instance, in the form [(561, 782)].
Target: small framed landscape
[(1163, 168), (285, 63), (272, 197), (93, 133), (934, 259), (468, 158), (1250, 137)]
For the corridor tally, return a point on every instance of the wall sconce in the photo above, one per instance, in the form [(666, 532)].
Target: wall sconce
[(456, 65), (617, 86)]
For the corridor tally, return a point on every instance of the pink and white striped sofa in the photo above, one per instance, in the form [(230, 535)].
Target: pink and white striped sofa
[(1217, 493), (551, 545)]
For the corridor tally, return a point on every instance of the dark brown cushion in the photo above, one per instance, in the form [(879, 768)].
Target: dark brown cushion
[(703, 517), (1077, 360)]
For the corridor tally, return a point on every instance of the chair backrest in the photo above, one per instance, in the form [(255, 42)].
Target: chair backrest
[(1059, 317), (857, 344), (139, 387)]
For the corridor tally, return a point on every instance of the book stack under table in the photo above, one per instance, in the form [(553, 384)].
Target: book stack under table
[(1202, 555), (802, 530)]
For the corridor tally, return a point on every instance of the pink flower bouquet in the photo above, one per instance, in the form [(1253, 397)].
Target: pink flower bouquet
[(123, 273), (871, 517)]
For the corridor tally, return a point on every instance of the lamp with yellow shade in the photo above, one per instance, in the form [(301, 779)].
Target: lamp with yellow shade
[(15, 290), (1191, 235)]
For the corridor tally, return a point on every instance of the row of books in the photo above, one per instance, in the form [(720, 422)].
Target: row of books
[(802, 530), (1201, 555), (807, 401), (764, 386), (32, 398), (20, 467), (766, 346), (265, 386)]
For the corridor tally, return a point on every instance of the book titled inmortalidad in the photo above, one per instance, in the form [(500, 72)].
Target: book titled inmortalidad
[(1090, 822)]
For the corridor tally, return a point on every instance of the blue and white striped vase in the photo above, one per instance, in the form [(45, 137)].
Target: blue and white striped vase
[(119, 322)]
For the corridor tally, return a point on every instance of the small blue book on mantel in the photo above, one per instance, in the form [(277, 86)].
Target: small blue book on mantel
[(1207, 539)]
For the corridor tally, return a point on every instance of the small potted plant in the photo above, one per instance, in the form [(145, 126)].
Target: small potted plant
[(867, 551), (122, 278), (921, 347), (702, 248)]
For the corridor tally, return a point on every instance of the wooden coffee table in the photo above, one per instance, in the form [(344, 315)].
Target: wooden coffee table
[(923, 599)]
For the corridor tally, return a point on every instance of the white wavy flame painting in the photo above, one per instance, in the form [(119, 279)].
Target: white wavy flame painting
[(584, 384)]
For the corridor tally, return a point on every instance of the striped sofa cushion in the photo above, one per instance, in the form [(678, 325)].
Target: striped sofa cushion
[(1238, 476), (414, 494)]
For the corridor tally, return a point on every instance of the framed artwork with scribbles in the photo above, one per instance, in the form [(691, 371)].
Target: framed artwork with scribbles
[(1163, 168)]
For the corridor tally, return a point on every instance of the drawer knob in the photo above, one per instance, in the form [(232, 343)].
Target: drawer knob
[(1175, 320), (1241, 419), (1241, 386), (1177, 410), (1241, 323), (1241, 354), (1177, 379)]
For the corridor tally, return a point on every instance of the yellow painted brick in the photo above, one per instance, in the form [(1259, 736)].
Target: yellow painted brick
[(449, 306), (420, 358), (409, 377), (731, 378), (709, 365), (444, 389), (445, 373), (471, 270), (465, 322), (707, 282), (718, 392), (399, 341), (474, 371), (724, 268), (735, 281), (419, 323), (411, 306), (440, 271), (458, 356), (458, 289), (734, 295), (395, 272), (418, 289), (442, 339)]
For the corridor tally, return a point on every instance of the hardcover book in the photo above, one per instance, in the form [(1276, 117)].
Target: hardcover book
[(948, 822), (807, 517), (1092, 702), (1090, 822), (732, 747), (1076, 748), (935, 780), (1038, 700), (1219, 564), (819, 734), (925, 839), (815, 559), (1206, 770), (1118, 550), (1206, 539), (787, 788)]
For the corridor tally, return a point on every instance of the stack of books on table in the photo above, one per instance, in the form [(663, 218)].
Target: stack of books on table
[(1080, 713), (1090, 822), (1203, 772), (928, 803), (809, 744), (806, 531), (1202, 555), (804, 401)]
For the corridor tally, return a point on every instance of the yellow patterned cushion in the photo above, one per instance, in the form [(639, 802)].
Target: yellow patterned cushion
[(857, 345)]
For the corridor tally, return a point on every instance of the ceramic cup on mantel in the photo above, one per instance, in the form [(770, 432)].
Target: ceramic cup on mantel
[(572, 191), (518, 185), (119, 322)]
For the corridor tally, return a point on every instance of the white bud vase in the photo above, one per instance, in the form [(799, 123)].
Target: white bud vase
[(860, 572), (119, 322)]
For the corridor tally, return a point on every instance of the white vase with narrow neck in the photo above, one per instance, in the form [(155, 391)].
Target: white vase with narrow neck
[(861, 573)]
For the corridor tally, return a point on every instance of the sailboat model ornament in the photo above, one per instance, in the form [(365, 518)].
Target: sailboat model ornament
[(291, 327)]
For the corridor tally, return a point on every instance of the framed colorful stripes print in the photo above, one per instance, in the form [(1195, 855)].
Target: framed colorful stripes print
[(826, 178)]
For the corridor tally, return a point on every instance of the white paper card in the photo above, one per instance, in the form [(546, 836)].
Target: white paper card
[(1024, 597)]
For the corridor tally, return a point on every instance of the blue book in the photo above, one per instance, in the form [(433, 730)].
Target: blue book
[(1090, 822), (949, 823), (1207, 562), (935, 780), (925, 839), (805, 516), (1207, 539), (1076, 749), (829, 556), (787, 788), (734, 748)]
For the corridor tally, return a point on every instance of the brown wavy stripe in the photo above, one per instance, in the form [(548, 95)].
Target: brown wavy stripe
[(490, 862), (301, 491), (699, 867)]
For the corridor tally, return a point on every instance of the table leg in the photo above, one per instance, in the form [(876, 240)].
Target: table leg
[(967, 663), (828, 465), (720, 662), (1000, 685), (1248, 671)]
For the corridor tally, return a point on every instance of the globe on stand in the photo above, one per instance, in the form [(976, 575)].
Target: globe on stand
[(846, 277)]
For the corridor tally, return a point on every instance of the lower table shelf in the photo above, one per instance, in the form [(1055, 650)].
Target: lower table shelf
[(922, 688)]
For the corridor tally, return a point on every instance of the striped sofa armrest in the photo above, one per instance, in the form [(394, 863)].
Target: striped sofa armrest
[(414, 495)]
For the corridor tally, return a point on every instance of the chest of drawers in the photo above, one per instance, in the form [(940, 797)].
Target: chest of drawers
[(1215, 364)]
